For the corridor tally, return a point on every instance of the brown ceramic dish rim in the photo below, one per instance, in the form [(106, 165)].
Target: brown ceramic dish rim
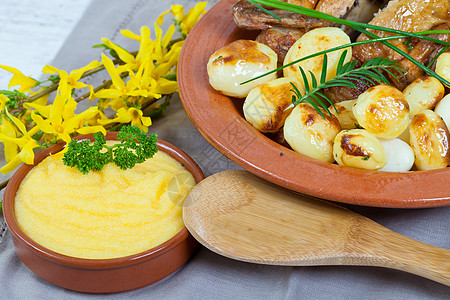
[(214, 115), (84, 263)]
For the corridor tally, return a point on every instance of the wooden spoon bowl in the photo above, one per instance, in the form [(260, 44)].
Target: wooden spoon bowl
[(243, 217)]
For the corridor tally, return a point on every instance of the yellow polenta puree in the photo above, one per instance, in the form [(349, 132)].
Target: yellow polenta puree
[(106, 214)]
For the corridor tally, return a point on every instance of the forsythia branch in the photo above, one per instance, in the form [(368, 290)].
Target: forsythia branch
[(138, 86)]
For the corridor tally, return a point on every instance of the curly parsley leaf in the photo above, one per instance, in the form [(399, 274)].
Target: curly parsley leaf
[(134, 147), (86, 157)]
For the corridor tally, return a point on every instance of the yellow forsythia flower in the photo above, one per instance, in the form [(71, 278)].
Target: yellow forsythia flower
[(8, 129), (186, 22), (137, 82), (25, 83), (133, 115), (118, 89), (192, 17), (60, 127), (129, 60), (3, 100), (25, 143), (70, 81)]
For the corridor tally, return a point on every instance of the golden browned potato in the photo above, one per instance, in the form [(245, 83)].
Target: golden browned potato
[(429, 138), (265, 105), (238, 62), (404, 136), (423, 93), (345, 114), (443, 65), (314, 41), (359, 148), (308, 133), (383, 111)]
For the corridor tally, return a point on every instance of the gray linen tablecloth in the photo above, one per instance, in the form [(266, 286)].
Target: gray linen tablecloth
[(208, 275)]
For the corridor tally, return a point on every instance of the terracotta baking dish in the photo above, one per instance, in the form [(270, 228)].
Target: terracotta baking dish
[(221, 121), (101, 275)]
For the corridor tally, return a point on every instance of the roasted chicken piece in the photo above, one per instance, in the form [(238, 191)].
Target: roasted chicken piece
[(280, 39), (411, 16), (424, 51), (363, 11), (248, 16)]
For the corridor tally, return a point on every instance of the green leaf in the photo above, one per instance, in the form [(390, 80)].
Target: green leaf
[(134, 146), (389, 72), (345, 83), (323, 76), (348, 66), (314, 80), (85, 157), (341, 60), (296, 90), (326, 98), (380, 78), (315, 107), (305, 80), (318, 100)]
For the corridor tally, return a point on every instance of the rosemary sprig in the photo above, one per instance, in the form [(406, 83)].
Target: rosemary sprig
[(370, 73), (325, 52)]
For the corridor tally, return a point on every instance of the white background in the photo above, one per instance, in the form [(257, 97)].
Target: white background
[(32, 31)]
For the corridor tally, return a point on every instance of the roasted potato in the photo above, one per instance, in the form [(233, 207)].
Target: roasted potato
[(383, 111), (238, 62), (443, 65), (429, 139), (359, 148), (345, 114), (423, 93), (399, 156), (404, 136), (313, 41), (308, 133), (265, 105)]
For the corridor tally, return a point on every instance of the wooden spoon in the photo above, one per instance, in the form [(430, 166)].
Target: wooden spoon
[(243, 217)]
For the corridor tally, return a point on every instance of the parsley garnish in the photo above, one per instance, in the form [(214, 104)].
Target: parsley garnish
[(135, 147)]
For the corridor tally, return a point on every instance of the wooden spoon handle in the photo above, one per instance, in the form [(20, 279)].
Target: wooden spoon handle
[(390, 249)]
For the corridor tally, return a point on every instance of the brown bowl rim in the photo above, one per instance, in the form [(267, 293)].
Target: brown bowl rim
[(86, 263)]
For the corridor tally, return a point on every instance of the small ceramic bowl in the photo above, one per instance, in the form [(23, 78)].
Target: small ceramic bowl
[(100, 275)]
